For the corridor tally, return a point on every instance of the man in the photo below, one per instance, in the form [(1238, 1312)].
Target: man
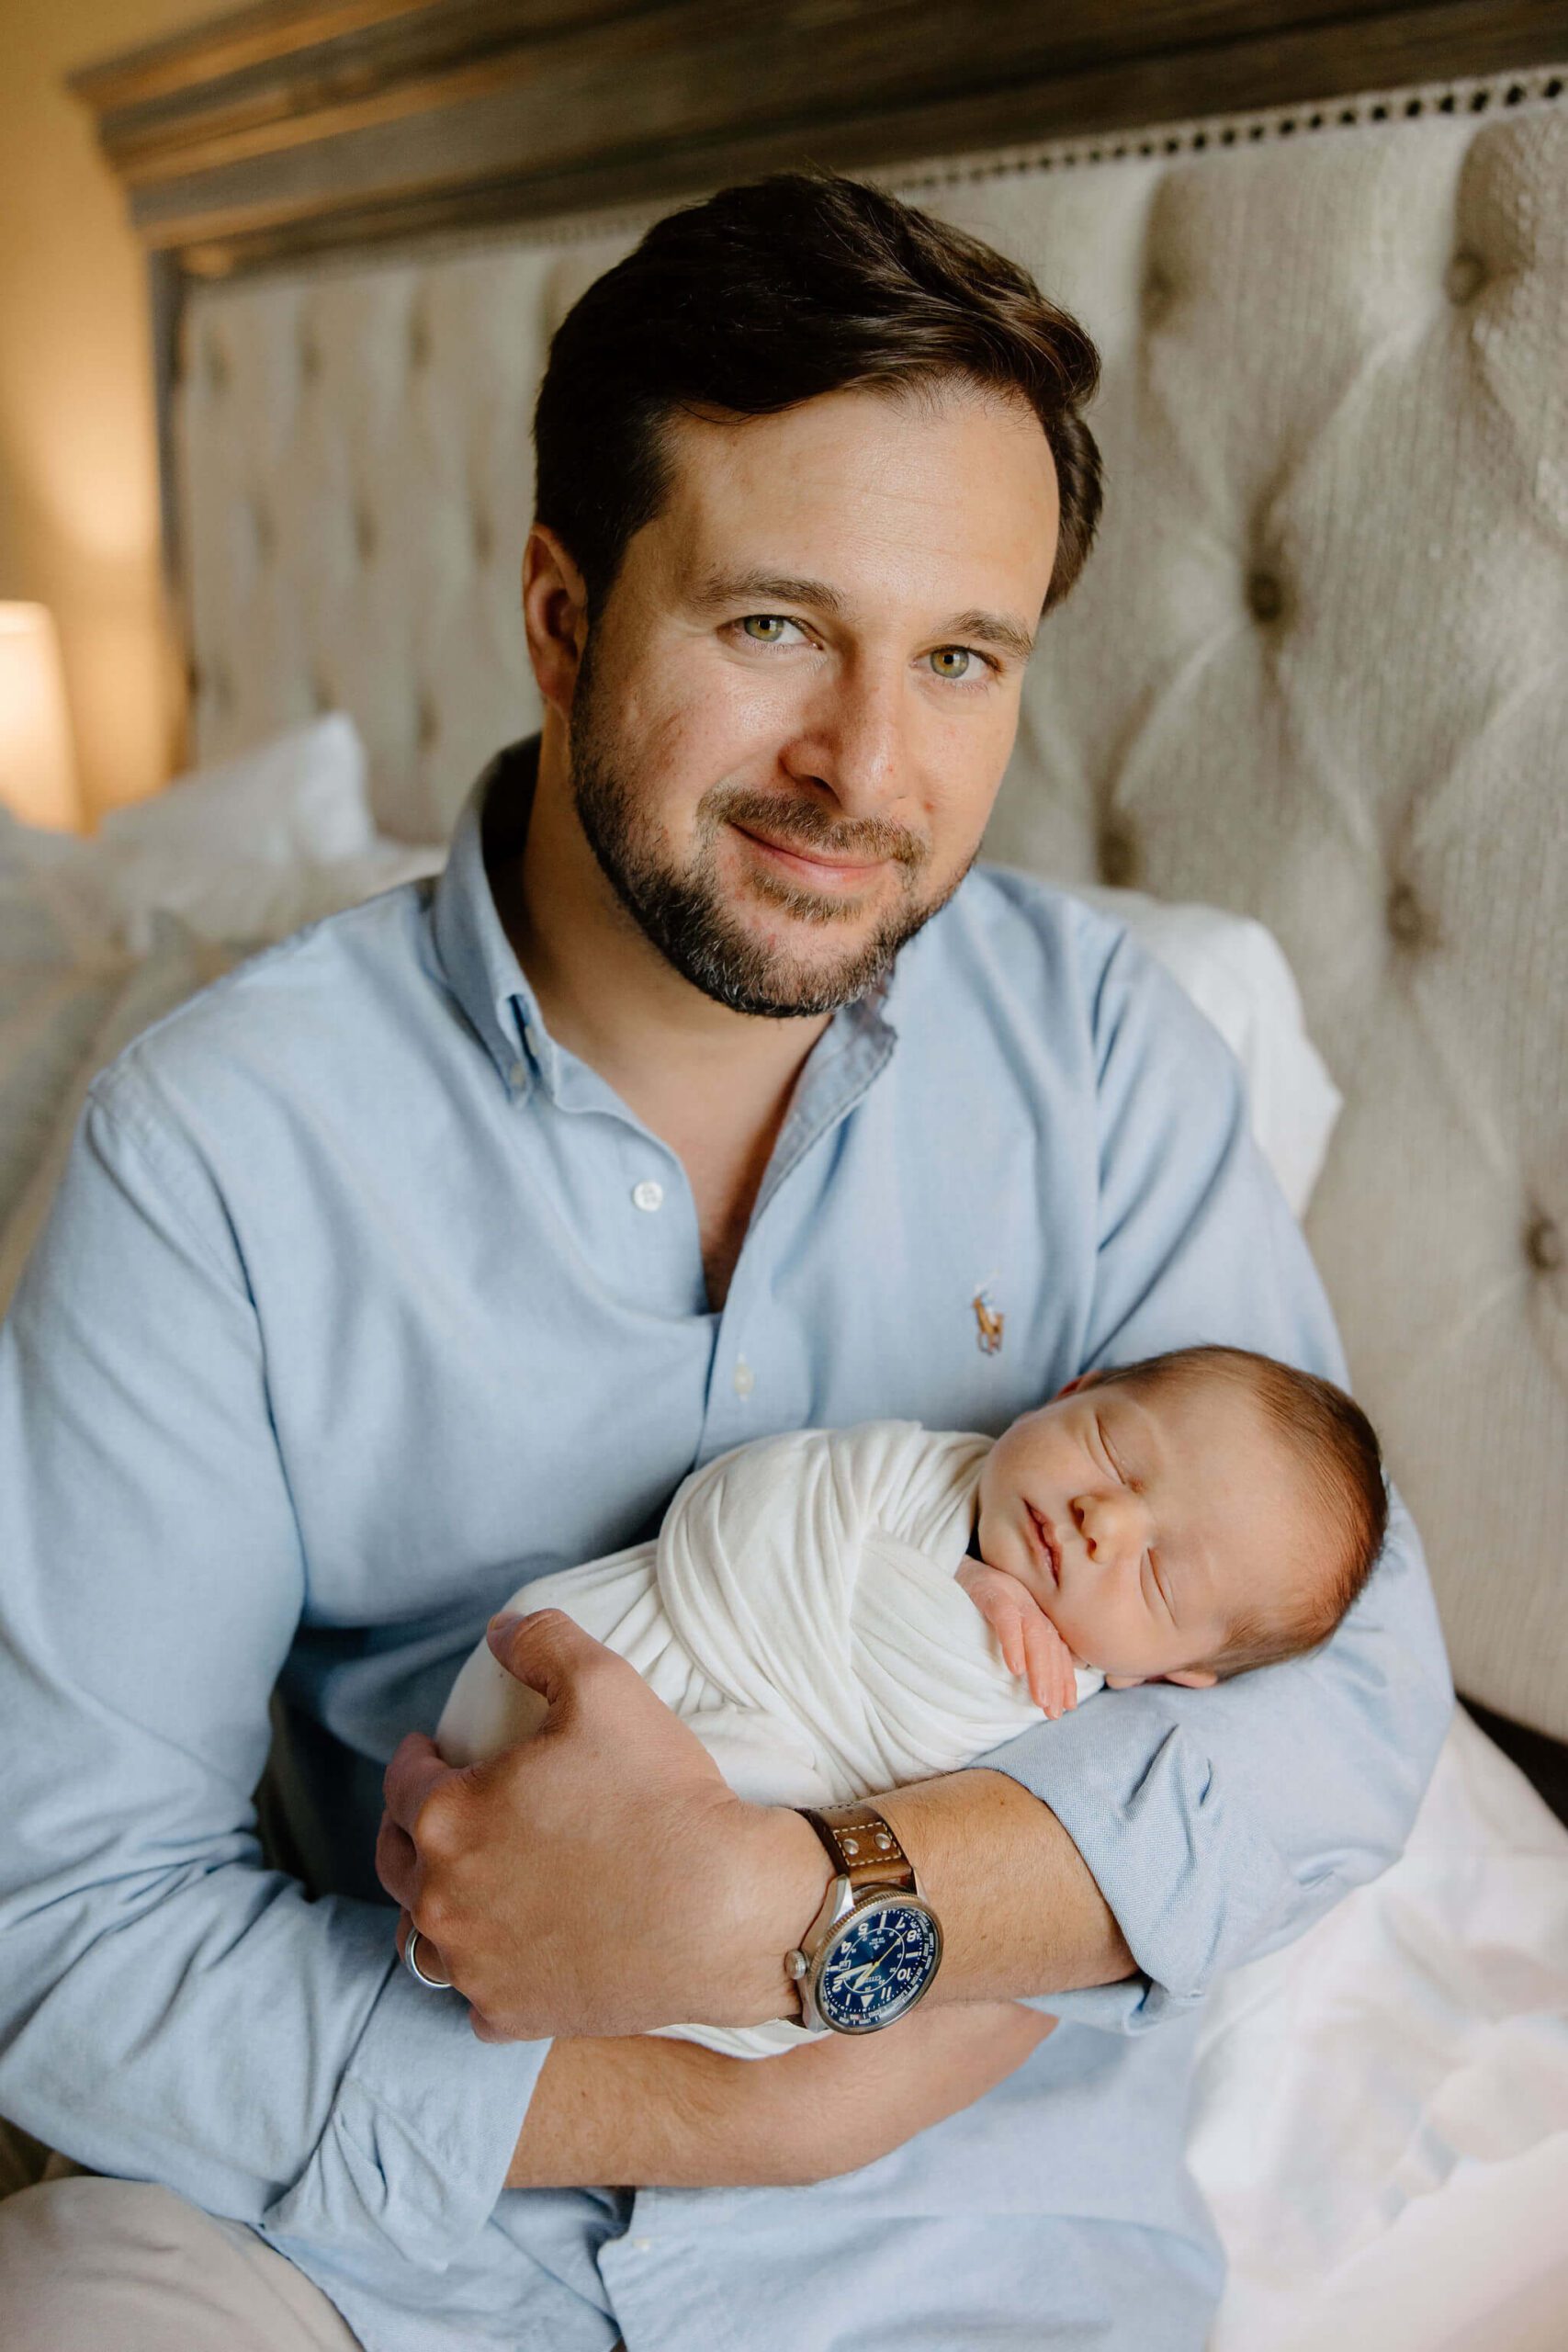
[(699, 1100)]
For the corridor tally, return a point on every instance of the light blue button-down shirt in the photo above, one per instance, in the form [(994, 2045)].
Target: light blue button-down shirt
[(362, 1300)]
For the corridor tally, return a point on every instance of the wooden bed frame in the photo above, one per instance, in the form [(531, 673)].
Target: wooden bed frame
[(300, 127)]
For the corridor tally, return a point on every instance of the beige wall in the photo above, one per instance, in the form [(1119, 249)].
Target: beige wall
[(78, 488)]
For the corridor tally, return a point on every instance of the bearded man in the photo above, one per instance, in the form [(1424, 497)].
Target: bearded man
[(703, 1097)]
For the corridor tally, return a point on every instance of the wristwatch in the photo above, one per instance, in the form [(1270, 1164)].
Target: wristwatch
[(875, 1945)]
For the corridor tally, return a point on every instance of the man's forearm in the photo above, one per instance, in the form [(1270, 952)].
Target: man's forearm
[(1020, 1913), (644, 2112), (636, 2112)]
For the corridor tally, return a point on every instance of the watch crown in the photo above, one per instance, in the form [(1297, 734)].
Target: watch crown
[(795, 1965)]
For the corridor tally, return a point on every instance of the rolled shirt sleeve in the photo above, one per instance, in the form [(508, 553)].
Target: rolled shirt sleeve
[(170, 2009), (1220, 1823)]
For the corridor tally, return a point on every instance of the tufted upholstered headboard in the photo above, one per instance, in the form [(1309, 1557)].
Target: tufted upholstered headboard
[(1317, 669)]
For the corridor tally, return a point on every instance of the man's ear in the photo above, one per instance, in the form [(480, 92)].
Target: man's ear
[(555, 615), (1084, 1380), (1193, 1678)]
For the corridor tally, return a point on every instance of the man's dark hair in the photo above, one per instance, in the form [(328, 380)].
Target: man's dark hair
[(1337, 1450), (774, 293)]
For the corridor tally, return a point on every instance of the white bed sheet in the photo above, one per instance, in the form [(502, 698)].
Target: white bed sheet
[(1380, 2123)]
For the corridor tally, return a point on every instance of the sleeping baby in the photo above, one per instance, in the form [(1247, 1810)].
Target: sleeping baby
[(838, 1611)]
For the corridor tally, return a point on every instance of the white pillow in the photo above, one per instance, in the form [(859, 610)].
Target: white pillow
[(1234, 971), (248, 851), (44, 1033), (35, 927), (299, 800), (249, 899)]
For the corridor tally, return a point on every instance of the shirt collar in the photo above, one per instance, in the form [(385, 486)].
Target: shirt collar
[(478, 961), (476, 957)]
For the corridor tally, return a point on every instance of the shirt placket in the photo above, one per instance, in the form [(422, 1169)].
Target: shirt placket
[(845, 1063)]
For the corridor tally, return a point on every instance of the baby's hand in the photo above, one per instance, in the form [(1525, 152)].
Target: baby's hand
[(1031, 1643)]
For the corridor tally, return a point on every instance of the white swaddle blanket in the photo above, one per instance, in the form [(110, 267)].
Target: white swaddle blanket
[(799, 1612)]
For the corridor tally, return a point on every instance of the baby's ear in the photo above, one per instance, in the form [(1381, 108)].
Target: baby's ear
[(1193, 1678)]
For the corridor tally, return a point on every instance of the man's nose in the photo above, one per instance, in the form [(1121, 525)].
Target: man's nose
[(855, 739), (1114, 1528)]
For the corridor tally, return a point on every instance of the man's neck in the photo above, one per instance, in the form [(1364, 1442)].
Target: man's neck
[(711, 1083)]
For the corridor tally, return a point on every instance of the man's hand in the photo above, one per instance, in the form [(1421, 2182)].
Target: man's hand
[(666, 2114), (602, 1877), (1031, 1643)]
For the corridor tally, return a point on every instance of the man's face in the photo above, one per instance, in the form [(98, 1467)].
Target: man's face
[(797, 704)]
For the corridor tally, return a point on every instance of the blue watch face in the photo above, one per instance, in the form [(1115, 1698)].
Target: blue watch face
[(878, 1966)]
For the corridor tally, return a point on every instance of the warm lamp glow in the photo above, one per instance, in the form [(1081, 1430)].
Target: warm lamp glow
[(37, 773)]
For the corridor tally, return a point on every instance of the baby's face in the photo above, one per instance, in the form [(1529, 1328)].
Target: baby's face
[(1146, 1521)]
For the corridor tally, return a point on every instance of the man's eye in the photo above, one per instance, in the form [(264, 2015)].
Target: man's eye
[(960, 666), (767, 629)]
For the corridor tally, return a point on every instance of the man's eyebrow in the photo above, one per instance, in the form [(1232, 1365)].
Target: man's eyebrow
[(997, 629), (766, 588)]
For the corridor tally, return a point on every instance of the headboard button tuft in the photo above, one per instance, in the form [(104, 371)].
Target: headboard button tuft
[(363, 532), (1118, 853), (1464, 278), (1265, 596), (1405, 921), (1543, 1245)]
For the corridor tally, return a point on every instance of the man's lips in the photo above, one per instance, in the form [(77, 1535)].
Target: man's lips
[(1046, 1543), (813, 866)]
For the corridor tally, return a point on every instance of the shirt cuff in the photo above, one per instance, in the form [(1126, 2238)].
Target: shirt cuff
[(421, 2135), (1192, 1879)]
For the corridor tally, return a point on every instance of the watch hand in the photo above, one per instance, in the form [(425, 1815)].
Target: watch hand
[(857, 1976)]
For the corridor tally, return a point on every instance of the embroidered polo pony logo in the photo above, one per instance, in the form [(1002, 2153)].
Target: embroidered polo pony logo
[(988, 1318)]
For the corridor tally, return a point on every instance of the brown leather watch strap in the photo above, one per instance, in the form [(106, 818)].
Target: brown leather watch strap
[(863, 1846)]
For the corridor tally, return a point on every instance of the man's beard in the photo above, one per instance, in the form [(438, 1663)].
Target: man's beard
[(685, 913)]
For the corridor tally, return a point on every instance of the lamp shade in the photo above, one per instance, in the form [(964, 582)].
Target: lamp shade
[(38, 777)]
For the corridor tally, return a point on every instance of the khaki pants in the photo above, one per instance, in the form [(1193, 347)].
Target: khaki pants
[(117, 2266), (88, 2265)]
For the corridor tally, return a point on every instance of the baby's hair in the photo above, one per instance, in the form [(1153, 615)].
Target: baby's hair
[(1336, 1447)]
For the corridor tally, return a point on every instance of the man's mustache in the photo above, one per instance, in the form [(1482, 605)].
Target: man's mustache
[(804, 824)]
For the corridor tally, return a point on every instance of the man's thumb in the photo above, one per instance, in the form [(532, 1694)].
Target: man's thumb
[(547, 1649)]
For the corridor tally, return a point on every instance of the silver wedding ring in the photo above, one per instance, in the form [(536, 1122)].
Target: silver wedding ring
[(411, 1950)]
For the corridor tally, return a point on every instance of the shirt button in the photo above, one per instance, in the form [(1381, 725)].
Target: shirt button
[(642, 2246), (647, 1195), (745, 1378), (517, 1073)]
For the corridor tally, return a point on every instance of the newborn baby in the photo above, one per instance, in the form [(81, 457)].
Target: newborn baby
[(811, 1610), (1181, 1519)]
